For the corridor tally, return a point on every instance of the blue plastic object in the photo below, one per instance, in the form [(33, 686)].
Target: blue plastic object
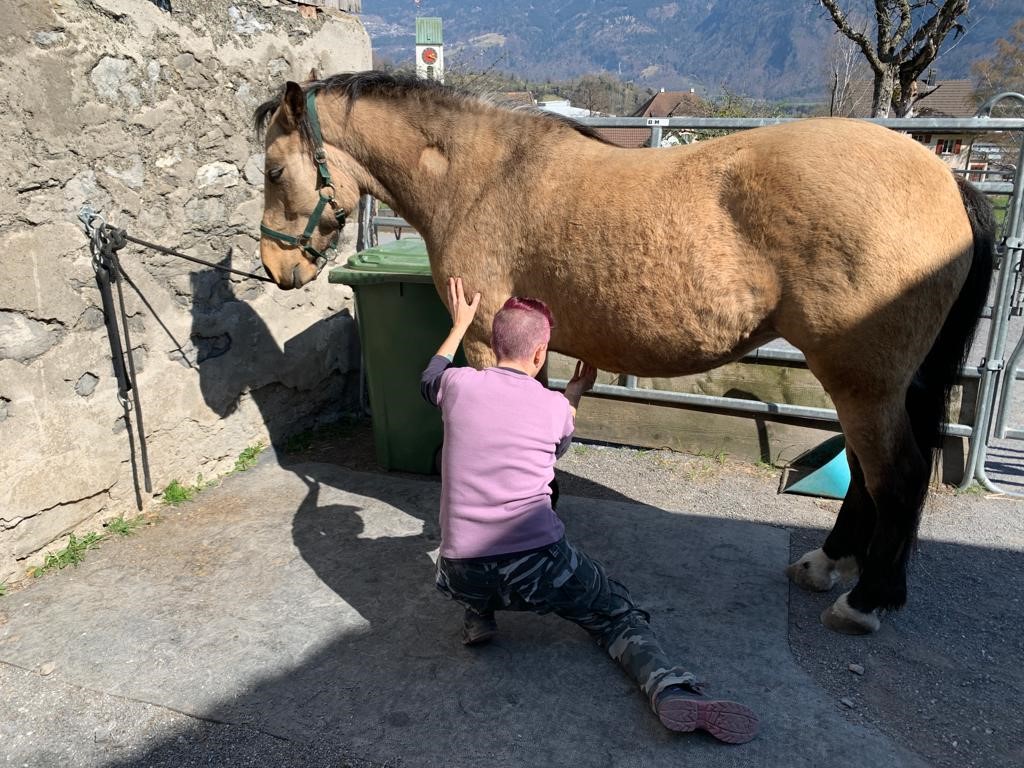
[(823, 471)]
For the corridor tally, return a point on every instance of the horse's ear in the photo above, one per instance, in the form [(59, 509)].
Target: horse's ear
[(294, 103), (313, 75)]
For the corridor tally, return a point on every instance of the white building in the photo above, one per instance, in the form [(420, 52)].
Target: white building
[(564, 107)]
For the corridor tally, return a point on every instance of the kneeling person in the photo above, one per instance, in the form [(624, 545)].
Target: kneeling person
[(502, 545)]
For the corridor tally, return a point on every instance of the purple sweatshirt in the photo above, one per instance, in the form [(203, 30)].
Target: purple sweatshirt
[(502, 433)]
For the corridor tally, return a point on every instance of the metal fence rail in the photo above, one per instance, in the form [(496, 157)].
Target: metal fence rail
[(992, 404)]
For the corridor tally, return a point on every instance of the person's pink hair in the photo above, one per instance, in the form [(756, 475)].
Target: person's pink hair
[(519, 327)]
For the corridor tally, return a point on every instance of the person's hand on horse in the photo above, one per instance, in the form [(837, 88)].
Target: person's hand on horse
[(582, 380), (462, 312)]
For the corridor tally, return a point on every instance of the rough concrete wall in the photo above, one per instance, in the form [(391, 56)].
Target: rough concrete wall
[(146, 116)]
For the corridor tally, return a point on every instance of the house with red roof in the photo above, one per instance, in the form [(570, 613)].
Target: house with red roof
[(660, 105)]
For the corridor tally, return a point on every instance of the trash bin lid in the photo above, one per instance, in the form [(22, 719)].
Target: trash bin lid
[(402, 261)]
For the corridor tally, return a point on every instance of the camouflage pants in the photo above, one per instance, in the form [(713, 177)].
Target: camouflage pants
[(565, 581)]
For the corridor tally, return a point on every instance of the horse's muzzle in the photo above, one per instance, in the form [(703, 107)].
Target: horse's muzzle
[(299, 279)]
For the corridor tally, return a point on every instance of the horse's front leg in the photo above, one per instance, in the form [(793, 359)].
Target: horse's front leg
[(477, 347), (846, 546)]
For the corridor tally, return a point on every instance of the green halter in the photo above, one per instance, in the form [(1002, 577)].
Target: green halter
[(323, 185)]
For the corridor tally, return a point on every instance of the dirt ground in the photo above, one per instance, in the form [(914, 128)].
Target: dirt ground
[(942, 677)]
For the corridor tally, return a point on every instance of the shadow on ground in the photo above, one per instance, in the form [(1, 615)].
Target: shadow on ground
[(317, 634), (1004, 466), (943, 674)]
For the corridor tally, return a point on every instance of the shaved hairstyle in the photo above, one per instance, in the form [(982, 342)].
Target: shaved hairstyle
[(519, 327)]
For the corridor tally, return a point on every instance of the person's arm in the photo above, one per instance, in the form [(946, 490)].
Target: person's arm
[(582, 381), (462, 313), (430, 379)]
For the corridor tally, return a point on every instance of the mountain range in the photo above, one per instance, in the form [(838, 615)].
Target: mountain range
[(774, 49)]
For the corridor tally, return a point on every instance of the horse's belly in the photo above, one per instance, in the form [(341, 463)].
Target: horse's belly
[(662, 354)]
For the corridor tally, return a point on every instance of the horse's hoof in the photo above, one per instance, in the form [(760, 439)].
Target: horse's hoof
[(815, 571), (842, 617)]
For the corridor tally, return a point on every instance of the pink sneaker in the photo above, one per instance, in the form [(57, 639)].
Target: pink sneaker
[(727, 721)]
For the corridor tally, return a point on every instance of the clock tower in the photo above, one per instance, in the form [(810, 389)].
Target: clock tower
[(429, 49)]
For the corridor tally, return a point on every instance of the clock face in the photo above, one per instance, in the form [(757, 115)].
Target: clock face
[(429, 55)]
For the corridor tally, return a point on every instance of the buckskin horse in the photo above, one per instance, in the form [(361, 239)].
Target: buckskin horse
[(853, 242)]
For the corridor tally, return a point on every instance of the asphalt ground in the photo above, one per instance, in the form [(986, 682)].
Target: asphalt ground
[(287, 617)]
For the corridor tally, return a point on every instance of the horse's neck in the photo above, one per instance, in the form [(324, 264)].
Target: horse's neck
[(435, 165)]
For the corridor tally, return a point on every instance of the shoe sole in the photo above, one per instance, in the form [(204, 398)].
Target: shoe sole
[(479, 638), (486, 637), (727, 721)]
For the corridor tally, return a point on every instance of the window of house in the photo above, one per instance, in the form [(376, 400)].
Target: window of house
[(924, 138), (948, 147)]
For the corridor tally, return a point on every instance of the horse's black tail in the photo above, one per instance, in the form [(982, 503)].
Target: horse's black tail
[(929, 395)]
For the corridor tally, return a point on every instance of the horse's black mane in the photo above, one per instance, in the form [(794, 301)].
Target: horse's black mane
[(399, 85)]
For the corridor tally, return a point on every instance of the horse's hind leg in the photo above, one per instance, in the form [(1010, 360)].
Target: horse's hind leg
[(844, 549), (896, 475)]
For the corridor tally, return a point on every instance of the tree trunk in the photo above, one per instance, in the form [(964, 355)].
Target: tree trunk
[(881, 98), (903, 106), (908, 92)]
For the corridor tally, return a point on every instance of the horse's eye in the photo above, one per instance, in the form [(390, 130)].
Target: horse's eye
[(274, 174)]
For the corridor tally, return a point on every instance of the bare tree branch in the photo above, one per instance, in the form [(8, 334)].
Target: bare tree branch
[(860, 39), (883, 24), (921, 93), (845, 69), (905, 20), (934, 30)]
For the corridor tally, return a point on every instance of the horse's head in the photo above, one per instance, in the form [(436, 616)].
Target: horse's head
[(309, 190)]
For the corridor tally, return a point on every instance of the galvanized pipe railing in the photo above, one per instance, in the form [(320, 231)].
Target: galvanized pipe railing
[(778, 411), (994, 364)]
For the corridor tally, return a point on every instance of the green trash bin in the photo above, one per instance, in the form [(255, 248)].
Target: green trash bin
[(402, 322)]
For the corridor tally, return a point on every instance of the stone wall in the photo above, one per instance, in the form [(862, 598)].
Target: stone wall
[(146, 115)]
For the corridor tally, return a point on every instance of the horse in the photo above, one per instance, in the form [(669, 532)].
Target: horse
[(854, 243)]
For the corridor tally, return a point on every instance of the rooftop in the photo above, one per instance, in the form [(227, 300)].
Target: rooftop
[(672, 104), (945, 98)]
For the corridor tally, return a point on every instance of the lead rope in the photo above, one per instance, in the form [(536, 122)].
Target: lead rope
[(104, 242), (180, 255)]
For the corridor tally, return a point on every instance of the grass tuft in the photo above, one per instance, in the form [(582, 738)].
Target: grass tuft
[(124, 527), (718, 457), (247, 458), (72, 554), (176, 493), (974, 489)]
